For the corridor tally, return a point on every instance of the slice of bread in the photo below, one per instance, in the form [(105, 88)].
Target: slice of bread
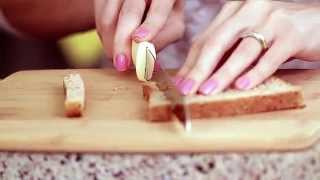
[(74, 95), (273, 94)]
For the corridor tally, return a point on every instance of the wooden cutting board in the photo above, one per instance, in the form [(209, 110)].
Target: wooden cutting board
[(32, 118)]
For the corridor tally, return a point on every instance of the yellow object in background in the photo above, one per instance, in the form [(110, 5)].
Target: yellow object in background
[(82, 49)]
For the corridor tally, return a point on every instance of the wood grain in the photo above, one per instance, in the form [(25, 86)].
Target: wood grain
[(32, 118)]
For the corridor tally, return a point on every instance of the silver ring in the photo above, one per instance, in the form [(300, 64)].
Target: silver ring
[(257, 36)]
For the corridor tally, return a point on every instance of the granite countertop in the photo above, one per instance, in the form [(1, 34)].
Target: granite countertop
[(302, 165)]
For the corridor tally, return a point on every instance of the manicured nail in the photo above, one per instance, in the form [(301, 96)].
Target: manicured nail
[(121, 62), (177, 80), (186, 86), (140, 33), (209, 86), (243, 83), (157, 67)]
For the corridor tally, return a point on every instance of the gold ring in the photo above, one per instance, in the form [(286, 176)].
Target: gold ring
[(257, 36)]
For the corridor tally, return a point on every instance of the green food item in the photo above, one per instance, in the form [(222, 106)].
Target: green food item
[(82, 49)]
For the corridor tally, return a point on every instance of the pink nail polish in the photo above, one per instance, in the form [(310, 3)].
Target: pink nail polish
[(140, 33), (209, 86), (177, 80), (243, 83), (186, 86), (157, 67), (121, 62)]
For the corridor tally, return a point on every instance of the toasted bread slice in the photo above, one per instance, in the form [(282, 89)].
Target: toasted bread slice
[(273, 94)]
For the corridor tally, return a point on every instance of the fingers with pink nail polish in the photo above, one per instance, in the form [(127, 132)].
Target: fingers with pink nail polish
[(118, 22), (156, 19), (140, 33), (121, 62), (186, 86), (208, 87), (243, 83), (157, 67), (177, 80), (129, 18)]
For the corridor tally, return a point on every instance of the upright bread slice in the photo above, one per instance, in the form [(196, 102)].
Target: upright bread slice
[(274, 94), (74, 95)]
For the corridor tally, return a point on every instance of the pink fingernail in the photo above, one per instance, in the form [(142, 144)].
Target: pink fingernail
[(157, 67), (177, 80), (243, 83), (207, 87), (140, 33), (186, 86), (121, 62)]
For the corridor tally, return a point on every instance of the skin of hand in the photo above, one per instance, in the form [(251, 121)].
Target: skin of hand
[(49, 20), (118, 22), (292, 30)]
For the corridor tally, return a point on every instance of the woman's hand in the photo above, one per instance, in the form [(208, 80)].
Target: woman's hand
[(120, 21), (290, 30)]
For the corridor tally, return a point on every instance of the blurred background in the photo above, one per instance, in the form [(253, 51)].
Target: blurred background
[(82, 50)]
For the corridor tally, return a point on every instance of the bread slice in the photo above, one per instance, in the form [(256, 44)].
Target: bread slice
[(274, 94), (74, 95)]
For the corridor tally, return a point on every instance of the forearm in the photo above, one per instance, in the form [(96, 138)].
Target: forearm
[(49, 19)]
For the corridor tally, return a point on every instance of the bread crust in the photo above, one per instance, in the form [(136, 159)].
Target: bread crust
[(159, 110), (250, 105)]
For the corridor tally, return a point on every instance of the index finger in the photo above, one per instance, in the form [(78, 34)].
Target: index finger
[(130, 17), (156, 18)]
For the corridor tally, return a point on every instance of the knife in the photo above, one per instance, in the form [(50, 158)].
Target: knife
[(178, 102)]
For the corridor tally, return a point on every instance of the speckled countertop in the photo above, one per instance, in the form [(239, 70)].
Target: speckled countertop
[(302, 165)]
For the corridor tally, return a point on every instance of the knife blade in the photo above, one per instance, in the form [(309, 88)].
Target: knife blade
[(178, 103)]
